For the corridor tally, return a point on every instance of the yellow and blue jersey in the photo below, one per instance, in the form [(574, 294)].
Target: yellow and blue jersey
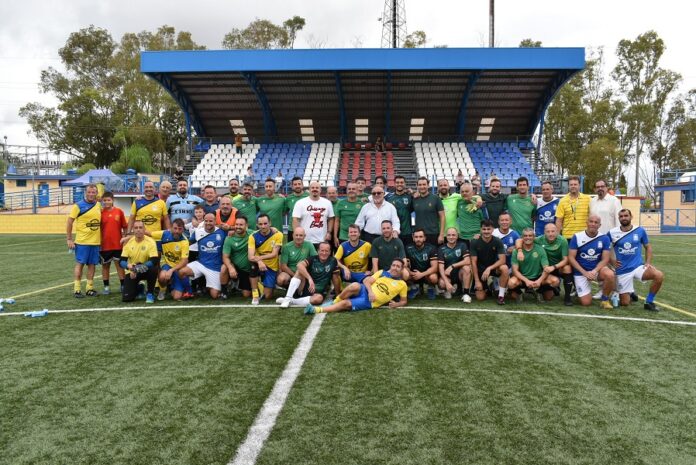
[(87, 223), (173, 250), (139, 252), (150, 212), (386, 288), (355, 258), (264, 245)]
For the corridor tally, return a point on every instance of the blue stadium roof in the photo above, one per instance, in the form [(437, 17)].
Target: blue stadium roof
[(451, 89)]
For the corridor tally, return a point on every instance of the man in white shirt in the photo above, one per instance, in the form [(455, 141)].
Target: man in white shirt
[(315, 214), (606, 206), (373, 213)]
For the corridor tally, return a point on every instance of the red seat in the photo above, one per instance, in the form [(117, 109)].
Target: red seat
[(368, 146), (389, 145), (348, 145), (402, 145)]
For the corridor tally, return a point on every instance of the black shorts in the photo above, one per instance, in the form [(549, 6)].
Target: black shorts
[(193, 256), (243, 282), (305, 292), (108, 256), (523, 285), (495, 273), (423, 280), (454, 276)]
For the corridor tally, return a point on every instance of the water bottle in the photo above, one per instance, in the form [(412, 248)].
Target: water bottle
[(614, 300), (71, 251), (37, 314)]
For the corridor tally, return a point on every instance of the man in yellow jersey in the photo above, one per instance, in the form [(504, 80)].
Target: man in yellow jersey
[(149, 209), (174, 247), (573, 210), (264, 249), (376, 290), (353, 256), (139, 258), (85, 215)]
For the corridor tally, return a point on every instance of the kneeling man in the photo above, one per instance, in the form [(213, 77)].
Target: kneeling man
[(533, 272), (314, 277)]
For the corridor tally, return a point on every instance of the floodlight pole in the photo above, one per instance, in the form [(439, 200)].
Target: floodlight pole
[(491, 23)]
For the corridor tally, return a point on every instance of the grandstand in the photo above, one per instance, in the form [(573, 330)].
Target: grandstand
[(221, 163), (503, 160)]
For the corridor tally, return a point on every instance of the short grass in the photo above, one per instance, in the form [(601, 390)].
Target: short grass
[(183, 385)]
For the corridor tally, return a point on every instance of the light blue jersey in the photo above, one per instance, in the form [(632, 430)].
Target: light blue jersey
[(628, 247), (545, 214), (589, 249), (182, 207)]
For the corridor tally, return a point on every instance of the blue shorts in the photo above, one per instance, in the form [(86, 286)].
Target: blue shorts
[(177, 283), (268, 278), (361, 301), (87, 254), (355, 276)]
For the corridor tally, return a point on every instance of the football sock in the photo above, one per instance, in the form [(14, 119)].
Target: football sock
[(604, 298), (337, 299), (77, 285), (501, 291), (122, 280), (301, 302), (106, 282), (650, 298), (567, 283), (292, 288), (255, 293), (90, 284), (318, 310)]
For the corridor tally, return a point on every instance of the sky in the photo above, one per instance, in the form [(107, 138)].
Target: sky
[(32, 31)]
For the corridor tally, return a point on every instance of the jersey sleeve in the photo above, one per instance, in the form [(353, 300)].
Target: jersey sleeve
[(339, 252), (74, 212), (124, 221), (544, 257), (227, 246), (157, 235), (564, 246), (560, 210), (433, 253), (514, 261), (284, 254), (441, 254), (152, 251), (644, 237), (296, 211), (573, 243), (134, 210), (252, 243), (403, 291), (440, 206), (402, 252)]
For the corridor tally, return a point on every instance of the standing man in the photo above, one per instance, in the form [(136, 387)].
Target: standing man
[(421, 259), (165, 188), (313, 279), (234, 193), (263, 252), (628, 240), (293, 253), (209, 264), (225, 217), (181, 204), (386, 248), (573, 209), (238, 144), (246, 203), (373, 215), (174, 248), (403, 202), (139, 257), (150, 210), (332, 196), (545, 209), (606, 206), (450, 202), (113, 228), (298, 193), (346, 212), (494, 201), (589, 254), (429, 213), (353, 256), (521, 206), (533, 271), (362, 195), (235, 256), (469, 215), (272, 205), (454, 266), (488, 260), (315, 214), (210, 204), (86, 216)]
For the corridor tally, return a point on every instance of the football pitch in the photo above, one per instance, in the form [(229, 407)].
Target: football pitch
[(435, 383)]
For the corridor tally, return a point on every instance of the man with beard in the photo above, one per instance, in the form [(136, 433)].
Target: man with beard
[(346, 212), (246, 203), (627, 241), (235, 256), (150, 210), (272, 204), (181, 204), (449, 202), (521, 206), (174, 248), (421, 260), (494, 201), (403, 202), (487, 261), (313, 278), (429, 213), (263, 251), (298, 193), (225, 216), (209, 264), (234, 193), (315, 215)]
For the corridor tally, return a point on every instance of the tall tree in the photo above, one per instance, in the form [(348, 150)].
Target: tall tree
[(264, 34), (530, 43), (645, 88), (416, 39)]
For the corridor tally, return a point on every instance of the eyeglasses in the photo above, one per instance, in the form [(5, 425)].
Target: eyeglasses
[(377, 193)]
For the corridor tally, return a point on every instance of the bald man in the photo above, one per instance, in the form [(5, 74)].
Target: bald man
[(293, 253), (316, 215)]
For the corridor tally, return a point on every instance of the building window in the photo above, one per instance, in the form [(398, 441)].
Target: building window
[(21, 183), (688, 196)]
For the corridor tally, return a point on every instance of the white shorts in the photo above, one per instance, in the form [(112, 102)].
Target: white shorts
[(582, 285), (212, 278), (624, 282)]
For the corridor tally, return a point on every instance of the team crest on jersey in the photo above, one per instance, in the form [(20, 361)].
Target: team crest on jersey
[(535, 254), (327, 268), (142, 247), (177, 248), (210, 244), (636, 238), (425, 256), (600, 245), (627, 246), (405, 201), (547, 214), (458, 253), (591, 252), (361, 254)]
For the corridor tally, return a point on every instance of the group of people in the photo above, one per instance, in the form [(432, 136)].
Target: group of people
[(368, 249)]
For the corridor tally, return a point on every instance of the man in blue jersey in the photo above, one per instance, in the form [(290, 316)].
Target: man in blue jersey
[(627, 241), (210, 241), (181, 204), (545, 209), (589, 254), (506, 235)]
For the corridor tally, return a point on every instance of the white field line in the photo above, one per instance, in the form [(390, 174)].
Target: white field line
[(250, 449), (461, 309)]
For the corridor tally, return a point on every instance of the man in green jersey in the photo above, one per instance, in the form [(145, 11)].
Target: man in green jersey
[(556, 247), (235, 256), (469, 215), (421, 262), (234, 194), (362, 195), (346, 212), (454, 265), (386, 248), (293, 253), (521, 206), (332, 196), (403, 202), (298, 193), (533, 272), (449, 202), (272, 205), (429, 213), (313, 279), (246, 203)]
